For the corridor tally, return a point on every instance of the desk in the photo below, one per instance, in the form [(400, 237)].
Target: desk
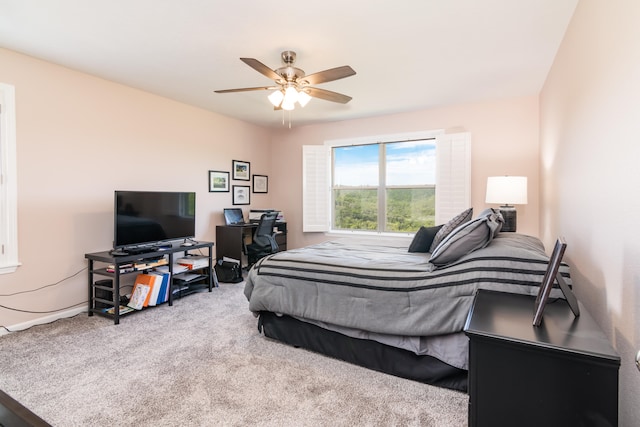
[(230, 239)]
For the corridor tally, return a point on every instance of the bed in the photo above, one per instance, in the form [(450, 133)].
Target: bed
[(373, 303)]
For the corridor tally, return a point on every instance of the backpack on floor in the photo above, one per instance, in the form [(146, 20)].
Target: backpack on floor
[(228, 272)]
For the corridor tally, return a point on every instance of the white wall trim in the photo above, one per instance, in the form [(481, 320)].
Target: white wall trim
[(8, 181), (43, 320)]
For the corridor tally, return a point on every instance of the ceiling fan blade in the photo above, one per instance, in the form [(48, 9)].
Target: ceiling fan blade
[(261, 68), (246, 89), (329, 75), (327, 95)]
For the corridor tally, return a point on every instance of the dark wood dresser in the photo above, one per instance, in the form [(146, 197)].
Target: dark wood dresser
[(562, 373)]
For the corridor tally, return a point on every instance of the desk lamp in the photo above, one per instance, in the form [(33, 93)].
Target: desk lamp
[(508, 191)]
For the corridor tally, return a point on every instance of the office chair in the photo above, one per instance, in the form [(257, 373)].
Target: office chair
[(264, 240)]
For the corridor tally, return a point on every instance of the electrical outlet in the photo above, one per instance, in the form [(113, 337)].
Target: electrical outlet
[(638, 360)]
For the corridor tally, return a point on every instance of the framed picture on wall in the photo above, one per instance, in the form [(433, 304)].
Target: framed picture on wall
[(260, 184), (218, 181), (241, 170), (241, 195)]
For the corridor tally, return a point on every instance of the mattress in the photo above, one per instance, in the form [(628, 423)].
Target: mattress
[(379, 287)]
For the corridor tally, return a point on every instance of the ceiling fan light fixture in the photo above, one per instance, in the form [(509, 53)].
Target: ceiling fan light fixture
[(287, 105), (276, 98), (303, 98), (290, 95), (294, 85)]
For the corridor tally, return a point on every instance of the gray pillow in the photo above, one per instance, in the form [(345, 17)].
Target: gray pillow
[(498, 217), (453, 223), (424, 237), (468, 237)]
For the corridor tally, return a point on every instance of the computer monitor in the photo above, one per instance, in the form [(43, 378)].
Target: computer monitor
[(233, 216)]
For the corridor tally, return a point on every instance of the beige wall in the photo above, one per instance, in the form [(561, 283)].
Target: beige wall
[(504, 137), (590, 123), (79, 138)]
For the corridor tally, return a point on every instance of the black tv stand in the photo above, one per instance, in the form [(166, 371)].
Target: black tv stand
[(112, 265)]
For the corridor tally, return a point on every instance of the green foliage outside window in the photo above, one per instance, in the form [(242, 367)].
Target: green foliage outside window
[(410, 208), (400, 175), (356, 209), (407, 209)]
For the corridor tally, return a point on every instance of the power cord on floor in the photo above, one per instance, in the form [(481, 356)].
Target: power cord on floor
[(46, 286), (39, 289), (41, 312)]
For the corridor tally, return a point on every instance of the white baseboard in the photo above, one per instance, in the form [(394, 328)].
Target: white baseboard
[(43, 320)]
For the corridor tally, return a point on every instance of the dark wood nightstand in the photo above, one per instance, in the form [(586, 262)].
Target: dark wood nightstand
[(562, 373)]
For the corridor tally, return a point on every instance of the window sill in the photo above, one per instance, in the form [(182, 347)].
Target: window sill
[(368, 234), (9, 268)]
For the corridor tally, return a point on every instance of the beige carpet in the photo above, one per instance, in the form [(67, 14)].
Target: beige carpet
[(202, 362)]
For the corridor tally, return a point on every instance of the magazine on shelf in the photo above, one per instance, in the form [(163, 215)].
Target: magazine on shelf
[(139, 296), (189, 277), (177, 268), (123, 310), (194, 262)]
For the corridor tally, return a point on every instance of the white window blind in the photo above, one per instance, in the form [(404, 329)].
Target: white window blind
[(8, 185), (453, 175), (316, 167)]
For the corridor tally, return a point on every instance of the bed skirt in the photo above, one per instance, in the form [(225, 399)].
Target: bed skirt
[(369, 354)]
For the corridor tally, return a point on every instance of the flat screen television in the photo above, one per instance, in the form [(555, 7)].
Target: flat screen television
[(149, 217)]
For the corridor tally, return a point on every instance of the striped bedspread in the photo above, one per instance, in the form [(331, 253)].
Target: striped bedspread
[(377, 286)]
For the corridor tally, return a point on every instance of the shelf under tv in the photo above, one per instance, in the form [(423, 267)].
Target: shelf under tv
[(205, 276)]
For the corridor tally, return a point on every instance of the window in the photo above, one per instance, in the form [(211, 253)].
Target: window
[(8, 186), (386, 184)]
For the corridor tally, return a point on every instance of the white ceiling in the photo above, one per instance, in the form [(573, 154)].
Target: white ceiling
[(408, 54)]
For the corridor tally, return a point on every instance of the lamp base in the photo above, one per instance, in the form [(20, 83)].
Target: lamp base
[(510, 218)]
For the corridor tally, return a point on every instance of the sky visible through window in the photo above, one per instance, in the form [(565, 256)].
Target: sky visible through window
[(408, 163)]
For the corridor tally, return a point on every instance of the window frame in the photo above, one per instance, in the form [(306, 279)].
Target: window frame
[(453, 153), (381, 188), (8, 181)]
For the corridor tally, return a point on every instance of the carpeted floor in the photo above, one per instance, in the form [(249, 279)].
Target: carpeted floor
[(202, 362)]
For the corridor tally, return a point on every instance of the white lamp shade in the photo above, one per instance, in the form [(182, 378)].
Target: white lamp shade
[(507, 190), (303, 98), (276, 98), (288, 106), (290, 95)]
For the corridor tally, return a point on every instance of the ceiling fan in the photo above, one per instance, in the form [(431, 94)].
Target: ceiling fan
[(292, 85)]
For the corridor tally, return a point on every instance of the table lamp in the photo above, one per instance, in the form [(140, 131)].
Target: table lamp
[(507, 191)]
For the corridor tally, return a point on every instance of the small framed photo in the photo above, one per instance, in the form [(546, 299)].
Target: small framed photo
[(241, 170), (218, 181), (241, 195), (260, 184), (550, 276)]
